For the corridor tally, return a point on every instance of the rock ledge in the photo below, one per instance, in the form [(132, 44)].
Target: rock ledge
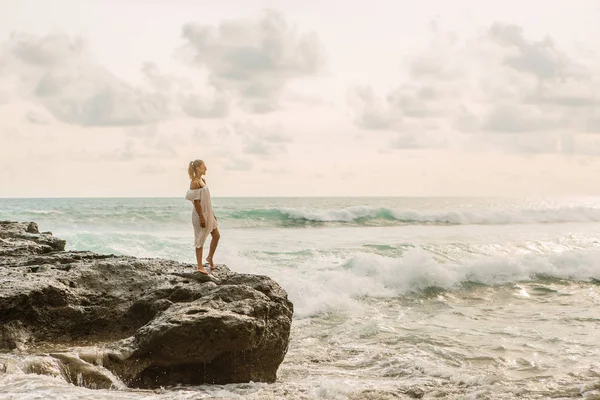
[(147, 322)]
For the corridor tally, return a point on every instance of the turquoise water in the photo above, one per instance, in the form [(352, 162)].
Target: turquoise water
[(469, 297)]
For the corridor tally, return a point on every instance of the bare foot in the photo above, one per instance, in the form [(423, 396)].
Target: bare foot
[(202, 270), (211, 263)]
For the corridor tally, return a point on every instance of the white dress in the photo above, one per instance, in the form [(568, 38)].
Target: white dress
[(200, 233)]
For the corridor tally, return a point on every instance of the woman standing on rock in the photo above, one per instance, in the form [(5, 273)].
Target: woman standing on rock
[(203, 217)]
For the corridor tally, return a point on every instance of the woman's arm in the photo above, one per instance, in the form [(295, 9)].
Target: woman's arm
[(198, 207), (197, 204)]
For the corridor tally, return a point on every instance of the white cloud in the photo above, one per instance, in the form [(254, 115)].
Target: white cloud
[(144, 131), (239, 164), (132, 145), (37, 118), (593, 124), (540, 58), (371, 111), (264, 141), (201, 135), (276, 171), (419, 140), (121, 154), (517, 118), (57, 71), (201, 107), (253, 59), (4, 98), (473, 88), (152, 169), (158, 80)]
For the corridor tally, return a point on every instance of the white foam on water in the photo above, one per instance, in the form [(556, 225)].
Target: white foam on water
[(483, 216), (337, 283)]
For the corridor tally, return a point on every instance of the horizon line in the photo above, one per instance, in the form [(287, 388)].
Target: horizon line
[(305, 197)]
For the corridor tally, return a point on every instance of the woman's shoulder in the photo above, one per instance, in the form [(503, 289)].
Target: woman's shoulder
[(195, 184)]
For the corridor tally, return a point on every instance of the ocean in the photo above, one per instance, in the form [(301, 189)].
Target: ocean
[(454, 298)]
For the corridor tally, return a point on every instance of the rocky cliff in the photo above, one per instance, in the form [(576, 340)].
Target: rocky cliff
[(148, 322)]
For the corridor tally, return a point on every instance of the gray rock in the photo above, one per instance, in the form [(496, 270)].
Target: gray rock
[(159, 322)]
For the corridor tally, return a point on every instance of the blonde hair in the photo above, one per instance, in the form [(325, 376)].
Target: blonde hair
[(192, 168)]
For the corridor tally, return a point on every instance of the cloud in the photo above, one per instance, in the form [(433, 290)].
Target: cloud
[(158, 80), (94, 97), (201, 135), (165, 147), (482, 87), (48, 51), (518, 119), (125, 153), (57, 71), (593, 124), (243, 62), (10, 133), (253, 59), (239, 164), (552, 92), (37, 118), (418, 141), (277, 171), (202, 107), (262, 140), (540, 58), (263, 148), (413, 112), (405, 141), (145, 131), (259, 148), (152, 169), (242, 144), (140, 143), (371, 111), (4, 97)]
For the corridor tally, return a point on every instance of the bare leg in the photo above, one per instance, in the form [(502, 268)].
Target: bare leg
[(201, 268), (213, 247)]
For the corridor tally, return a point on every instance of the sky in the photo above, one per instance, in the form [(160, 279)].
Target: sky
[(300, 98)]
